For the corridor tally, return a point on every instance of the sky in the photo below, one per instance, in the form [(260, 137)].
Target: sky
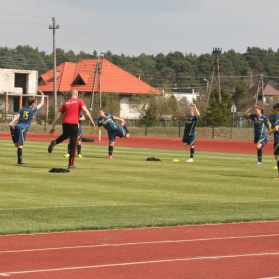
[(144, 26)]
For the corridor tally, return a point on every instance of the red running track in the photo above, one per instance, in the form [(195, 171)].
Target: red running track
[(240, 250)]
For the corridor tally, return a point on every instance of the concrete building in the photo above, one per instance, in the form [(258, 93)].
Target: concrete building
[(15, 87)]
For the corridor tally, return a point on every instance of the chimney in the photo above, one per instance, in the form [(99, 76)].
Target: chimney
[(138, 76)]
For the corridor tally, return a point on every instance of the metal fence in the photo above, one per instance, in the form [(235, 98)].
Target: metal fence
[(241, 128)]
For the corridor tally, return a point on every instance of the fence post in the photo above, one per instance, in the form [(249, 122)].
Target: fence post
[(212, 130), (145, 132)]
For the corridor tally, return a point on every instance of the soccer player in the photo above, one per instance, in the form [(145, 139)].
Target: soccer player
[(114, 130), (24, 118), (71, 110), (275, 131), (260, 135), (79, 139), (189, 136)]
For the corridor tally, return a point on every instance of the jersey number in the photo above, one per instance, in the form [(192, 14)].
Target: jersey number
[(25, 115)]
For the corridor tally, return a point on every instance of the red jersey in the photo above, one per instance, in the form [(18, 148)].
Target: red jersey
[(71, 110)]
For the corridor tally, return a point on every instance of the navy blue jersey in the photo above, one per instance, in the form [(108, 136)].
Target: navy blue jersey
[(276, 123), (260, 124), (108, 123), (190, 125), (26, 117)]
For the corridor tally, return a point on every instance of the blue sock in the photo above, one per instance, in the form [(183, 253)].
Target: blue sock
[(192, 151), (79, 149), (260, 154), (19, 155), (110, 150)]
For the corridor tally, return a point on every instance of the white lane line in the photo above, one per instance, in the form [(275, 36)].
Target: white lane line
[(137, 263), (138, 243)]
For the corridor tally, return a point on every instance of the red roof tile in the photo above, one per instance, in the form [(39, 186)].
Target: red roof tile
[(113, 78), (267, 89)]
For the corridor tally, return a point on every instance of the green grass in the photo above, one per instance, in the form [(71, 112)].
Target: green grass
[(129, 191)]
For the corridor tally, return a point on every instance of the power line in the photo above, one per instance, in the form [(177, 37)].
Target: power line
[(84, 34), (22, 23), (118, 35)]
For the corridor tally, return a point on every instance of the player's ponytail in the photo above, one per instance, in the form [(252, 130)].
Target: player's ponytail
[(259, 108)]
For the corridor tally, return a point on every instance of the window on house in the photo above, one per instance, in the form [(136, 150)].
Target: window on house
[(16, 104), (78, 81), (21, 81), (133, 109), (41, 81)]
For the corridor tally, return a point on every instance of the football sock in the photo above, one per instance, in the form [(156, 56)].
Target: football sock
[(278, 166), (19, 155), (79, 148), (192, 151), (260, 153), (110, 150), (68, 148)]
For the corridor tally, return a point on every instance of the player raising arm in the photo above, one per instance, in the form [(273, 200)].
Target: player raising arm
[(24, 118), (189, 135)]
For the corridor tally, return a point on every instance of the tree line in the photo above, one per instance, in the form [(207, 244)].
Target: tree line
[(173, 70)]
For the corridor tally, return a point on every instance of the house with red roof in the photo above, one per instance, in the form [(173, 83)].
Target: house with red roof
[(93, 76), (265, 92)]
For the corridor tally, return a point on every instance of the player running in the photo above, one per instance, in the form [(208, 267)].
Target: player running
[(71, 111), (114, 129), (260, 135), (189, 136), (79, 138)]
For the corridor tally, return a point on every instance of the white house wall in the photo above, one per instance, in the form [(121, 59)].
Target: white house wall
[(7, 81), (127, 111), (189, 96)]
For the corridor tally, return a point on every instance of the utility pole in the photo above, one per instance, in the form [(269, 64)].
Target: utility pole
[(260, 87), (98, 71), (216, 51), (100, 77), (53, 27), (251, 77)]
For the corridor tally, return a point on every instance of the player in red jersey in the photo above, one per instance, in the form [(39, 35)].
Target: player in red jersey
[(70, 110)]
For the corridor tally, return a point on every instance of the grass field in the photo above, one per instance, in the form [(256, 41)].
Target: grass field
[(129, 191)]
